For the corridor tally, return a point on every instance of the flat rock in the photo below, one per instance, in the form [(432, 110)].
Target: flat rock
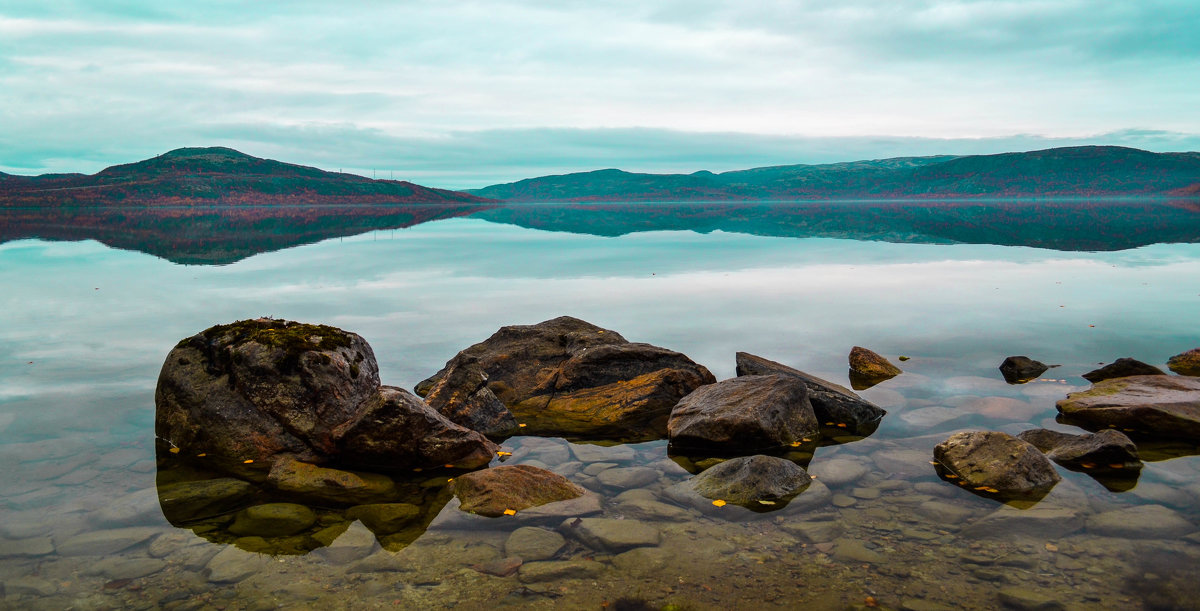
[(1186, 363), (555, 571), (643, 509), (232, 565), (132, 509), (194, 500), (32, 546), (623, 478), (1141, 522), (490, 492), (837, 472), (943, 512), (592, 453), (611, 535), (928, 417), (125, 568), (28, 585), (552, 513), (1026, 599), (645, 561), (748, 412), (998, 462), (1021, 369), (852, 550), (385, 518), (1159, 405), (818, 531), (356, 543), (1122, 368), (332, 485), (1037, 521), (830, 402), (531, 543), (273, 520), (103, 542)]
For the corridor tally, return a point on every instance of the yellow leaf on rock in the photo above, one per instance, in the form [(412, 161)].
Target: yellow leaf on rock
[(719, 503), (246, 462), (174, 450), (510, 512)]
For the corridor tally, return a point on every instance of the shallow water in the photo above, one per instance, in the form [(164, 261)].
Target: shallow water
[(85, 329)]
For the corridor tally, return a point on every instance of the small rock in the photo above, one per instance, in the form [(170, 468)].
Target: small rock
[(814, 532), (1160, 405), (385, 518), (837, 472), (531, 543), (33, 546), (870, 368), (623, 478), (103, 542), (1021, 369), (1122, 368), (490, 492), (642, 561), (499, 568), (1186, 363), (592, 453), (1108, 449), (641, 509), (125, 568), (1024, 599), (132, 509), (356, 543), (853, 550), (273, 520), (944, 513), (611, 535), (188, 501), (538, 572), (747, 480), (1140, 522), (29, 586), (1040, 522), (232, 565), (744, 413), (997, 461)]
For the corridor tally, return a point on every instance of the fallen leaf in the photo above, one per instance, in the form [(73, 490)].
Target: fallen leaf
[(510, 512), (719, 503)]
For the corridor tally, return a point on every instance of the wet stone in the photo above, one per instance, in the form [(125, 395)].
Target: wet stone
[(136, 508), (531, 543), (101, 542), (853, 550), (627, 477), (1141, 522), (611, 535), (814, 532), (539, 572), (232, 565), (943, 512), (642, 560), (34, 546), (29, 586), (1044, 522), (843, 500), (1025, 599), (125, 568), (589, 453), (837, 472), (356, 543), (640, 509), (865, 493), (385, 518), (273, 520), (185, 501), (597, 468)]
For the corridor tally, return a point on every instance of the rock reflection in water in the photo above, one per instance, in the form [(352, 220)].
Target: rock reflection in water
[(254, 516)]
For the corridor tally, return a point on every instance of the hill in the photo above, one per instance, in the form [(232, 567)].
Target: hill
[(1086, 171), (215, 176)]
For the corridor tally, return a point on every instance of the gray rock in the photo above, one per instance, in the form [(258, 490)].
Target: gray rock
[(1141, 522), (1122, 368), (749, 480), (853, 550), (1037, 521), (540, 572), (1021, 369), (643, 509), (103, 542), (531, 543), (642, 561), (830, 402), (593, 453), (838, 472), (1160, 405), (462, 395), (33, 546), (610, 535), (1106, 450), (868, 368), (997, 461), (125, 568), (744, 413), (1025, 599), (232, 565), (29, 585), (623, 478), (942, 512), (356, 543), (131, 509), (552, 513)]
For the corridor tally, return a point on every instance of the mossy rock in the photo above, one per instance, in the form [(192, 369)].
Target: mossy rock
[(273, 520)]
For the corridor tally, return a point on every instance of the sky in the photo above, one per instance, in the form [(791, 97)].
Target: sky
[(462, 94)]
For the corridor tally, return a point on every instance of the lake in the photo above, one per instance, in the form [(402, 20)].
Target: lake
[(954, 288)]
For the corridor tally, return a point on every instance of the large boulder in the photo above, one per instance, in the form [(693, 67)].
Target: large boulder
[(1106, 450), (1021, 369), (462, 396), (395, 430), (753, 481), (1154, 405), (1186, 363), (1122, 368), (748, 412), (491, 492), (567, 376), (996, 463), (257, 389), (868, 368), (830, 402)]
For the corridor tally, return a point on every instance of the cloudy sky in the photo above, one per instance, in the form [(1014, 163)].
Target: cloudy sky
[(464, 94)]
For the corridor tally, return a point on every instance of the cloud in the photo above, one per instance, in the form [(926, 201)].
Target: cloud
[(471, 92)]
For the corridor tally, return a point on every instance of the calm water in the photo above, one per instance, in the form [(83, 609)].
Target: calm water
[(85, 328)]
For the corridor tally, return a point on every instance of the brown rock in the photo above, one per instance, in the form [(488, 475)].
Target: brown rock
[(996, 461), (1159, 405), (492, 491), (1186, 363), (330, 485), (1122, 368), (744, 413), (1021, 369), (868, 368), (567, 376), (1106, 450), (830, 402), (462, 396)]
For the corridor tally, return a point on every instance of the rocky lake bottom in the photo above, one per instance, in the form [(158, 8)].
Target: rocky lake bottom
[(84, 523)]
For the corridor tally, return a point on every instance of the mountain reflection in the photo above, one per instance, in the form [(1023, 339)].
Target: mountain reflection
[(223, 235)]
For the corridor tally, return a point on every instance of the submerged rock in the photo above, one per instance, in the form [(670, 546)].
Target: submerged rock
[(830, 402), (611, 535), (1105, 450), (256, 389), (1122, 368), (996, 463), (1021, 369), (186, 501), (757, 482), (1158, 405), (567, 376), (749, 412), (385, 518), (1186, 363), (273, 520), (330, 485), (492, 491), (1141, 522)]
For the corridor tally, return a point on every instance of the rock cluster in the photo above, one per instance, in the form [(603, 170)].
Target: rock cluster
[(832, 404)]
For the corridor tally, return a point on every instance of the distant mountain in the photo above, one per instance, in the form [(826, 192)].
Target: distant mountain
[(1086, 171), (217, 175)]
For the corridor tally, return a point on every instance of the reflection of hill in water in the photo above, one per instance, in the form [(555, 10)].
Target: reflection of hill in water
[(216, 235), (1058, 225)]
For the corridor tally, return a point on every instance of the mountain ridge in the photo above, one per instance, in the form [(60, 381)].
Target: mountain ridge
[(216, 175), (1083, 171)]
